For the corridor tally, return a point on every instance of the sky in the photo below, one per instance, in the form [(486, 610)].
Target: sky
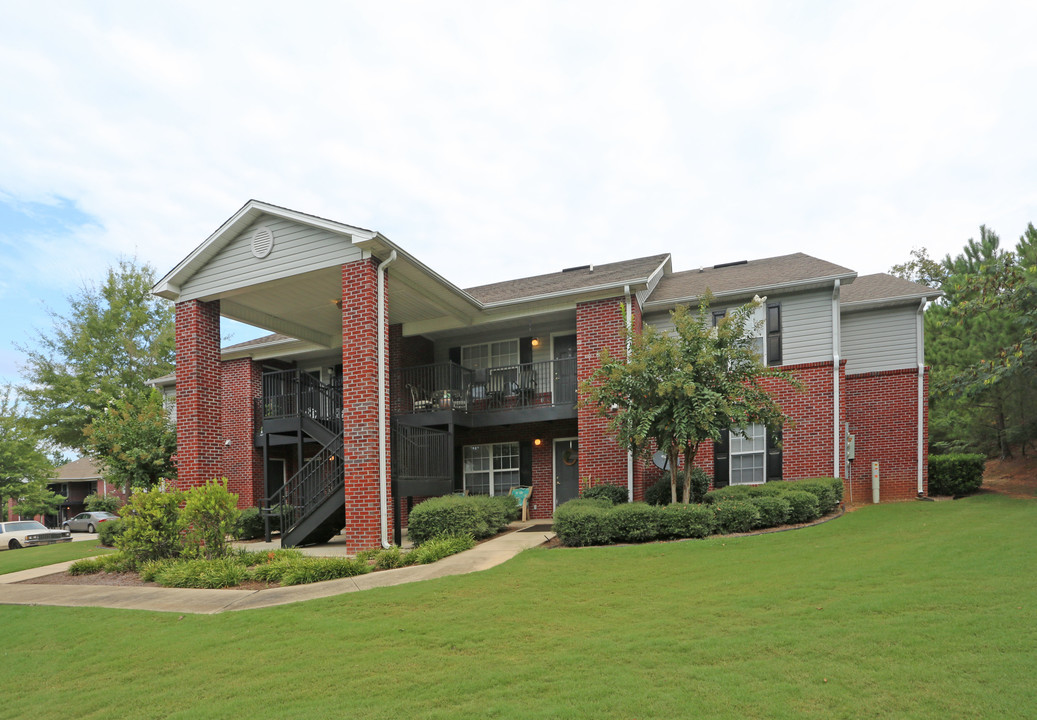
[(500, 140)]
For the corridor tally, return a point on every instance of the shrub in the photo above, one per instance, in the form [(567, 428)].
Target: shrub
[(956, 475), (829, 491), (315, 569), (686, 521), (734, 516), (659, 493), (202, 573), (151, 525), (86, 566), (615, 494), (774, 510), (114, 563), (250, 525), (448, 515), (389, 558), (109, 532), (730, 492), (102, 503), (211, 513), (438, 548), (149, 571), (633, 522), (582, 522), (802, 506), (255, 557), (477, 515)]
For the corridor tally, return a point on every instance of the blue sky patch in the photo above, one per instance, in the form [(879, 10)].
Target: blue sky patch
[(18, 219)]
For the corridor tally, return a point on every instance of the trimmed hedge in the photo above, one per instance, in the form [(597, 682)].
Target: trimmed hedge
[(774, 510), (686, 521), (736, 516), (249, 525), (613, 493), (633, 523), (803, 506), (477, 515), (957, 475), (582, 522)]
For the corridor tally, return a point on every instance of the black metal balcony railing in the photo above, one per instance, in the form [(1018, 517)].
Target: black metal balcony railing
[(449, 386), (288, 393), (420, 454)]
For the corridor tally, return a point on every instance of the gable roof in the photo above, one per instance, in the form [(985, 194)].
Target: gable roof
[(870, 291), (82, 469), (797, 270), (585, 278)]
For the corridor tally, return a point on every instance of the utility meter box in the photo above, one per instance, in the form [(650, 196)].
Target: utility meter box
[(851, 442)]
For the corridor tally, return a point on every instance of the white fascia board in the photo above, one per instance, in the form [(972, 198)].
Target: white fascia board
[(280, 348), (878, 303), (796, 285), (169, 286)]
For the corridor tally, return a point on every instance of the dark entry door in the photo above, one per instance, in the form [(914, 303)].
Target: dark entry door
[(564, 369), (567, 471)]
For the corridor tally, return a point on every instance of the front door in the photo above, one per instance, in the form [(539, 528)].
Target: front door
[(567, 470), (564, 369)]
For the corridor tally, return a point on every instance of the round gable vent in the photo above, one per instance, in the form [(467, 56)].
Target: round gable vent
[(262, 242)]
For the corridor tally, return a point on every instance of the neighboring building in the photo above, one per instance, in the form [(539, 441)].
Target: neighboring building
[(74, 481), (383, 381)]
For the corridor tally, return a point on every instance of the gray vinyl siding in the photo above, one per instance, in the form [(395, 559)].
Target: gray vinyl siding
[(806, 327), (877, 340), (297, 249)]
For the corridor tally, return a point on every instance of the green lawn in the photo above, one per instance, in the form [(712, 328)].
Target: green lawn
[(25, 558), (913, 610)]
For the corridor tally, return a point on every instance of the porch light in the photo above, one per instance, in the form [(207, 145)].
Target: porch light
[(538, 442), (535, 342)]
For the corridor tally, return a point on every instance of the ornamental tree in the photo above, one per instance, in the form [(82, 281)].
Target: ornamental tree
[(680, 389)]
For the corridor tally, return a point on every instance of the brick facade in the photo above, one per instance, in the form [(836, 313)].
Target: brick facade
[(360, 403), (242, 462), (199, 445), (884, 418), (599, 324)]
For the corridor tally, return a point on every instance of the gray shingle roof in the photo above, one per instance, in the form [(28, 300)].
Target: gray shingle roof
[(617, 273), (82, 469), (750, 276), (881, 286)]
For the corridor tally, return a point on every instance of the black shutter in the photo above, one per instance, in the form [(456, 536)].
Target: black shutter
[(721, 460), (774, 334), (526, 463), (718, 315), (774, 456), (525, 350), (455, 355)]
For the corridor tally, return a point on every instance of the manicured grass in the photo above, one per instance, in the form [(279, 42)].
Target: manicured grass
[(26, 558), (915, 610)]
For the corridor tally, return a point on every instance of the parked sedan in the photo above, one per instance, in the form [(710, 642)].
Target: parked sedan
[(29, 533), (88, 521)]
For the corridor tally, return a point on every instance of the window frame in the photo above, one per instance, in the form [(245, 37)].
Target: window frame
[(493, 360), (759, 433), (500, 451)]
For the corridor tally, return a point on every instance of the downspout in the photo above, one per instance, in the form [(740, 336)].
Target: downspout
[(920, 352), (836, 342), (383, 476), (630, 454)]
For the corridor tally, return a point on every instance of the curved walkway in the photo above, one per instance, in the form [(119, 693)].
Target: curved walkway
[(207, 602)]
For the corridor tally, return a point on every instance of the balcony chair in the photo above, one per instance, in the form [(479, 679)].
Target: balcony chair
[(420, 400)]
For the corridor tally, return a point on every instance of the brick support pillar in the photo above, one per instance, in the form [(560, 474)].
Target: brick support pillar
[(199, 445), (600, 324), (241, 382), (360, 403)]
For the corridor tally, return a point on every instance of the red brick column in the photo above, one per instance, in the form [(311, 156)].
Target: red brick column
[(360, 403), (599, 324), (241, 381), (199, 445)]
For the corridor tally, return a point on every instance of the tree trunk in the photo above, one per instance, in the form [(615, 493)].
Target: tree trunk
[(672, 455), (690, 451)]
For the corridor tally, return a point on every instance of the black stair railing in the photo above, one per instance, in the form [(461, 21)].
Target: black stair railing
[(320, 478), (291, 393)]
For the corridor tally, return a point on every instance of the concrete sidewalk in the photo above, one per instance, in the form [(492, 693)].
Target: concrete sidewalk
[(208, 602)]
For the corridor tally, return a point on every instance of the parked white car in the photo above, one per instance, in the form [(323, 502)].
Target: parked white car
[(29, 533)]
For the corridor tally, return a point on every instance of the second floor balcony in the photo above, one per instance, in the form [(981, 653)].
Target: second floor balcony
[(445, 393)]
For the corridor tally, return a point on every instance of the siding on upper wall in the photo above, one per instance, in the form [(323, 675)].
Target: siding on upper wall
[(297, 249), (883, 339), (806, 327), (806, 332)]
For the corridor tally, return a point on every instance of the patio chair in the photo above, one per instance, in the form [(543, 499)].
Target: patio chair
[(527, 386), (420, 401), (521, 495)]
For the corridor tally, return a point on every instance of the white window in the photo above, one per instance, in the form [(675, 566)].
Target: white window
[(490, 355), (756, 326), (749, 455), (491, 469)]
